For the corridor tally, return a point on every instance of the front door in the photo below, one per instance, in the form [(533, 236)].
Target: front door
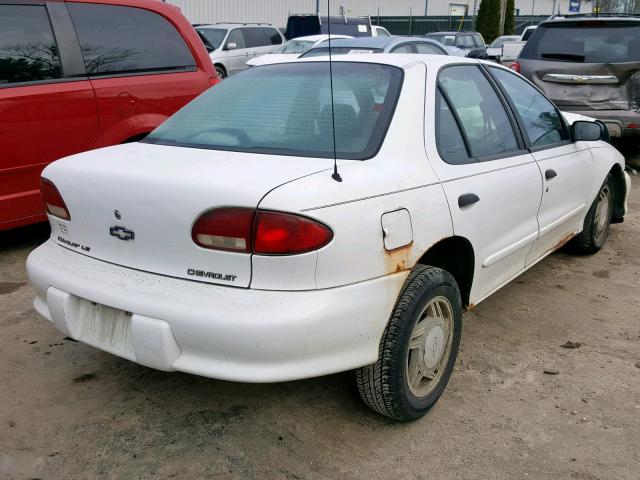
[(492, 183), (566, 167)]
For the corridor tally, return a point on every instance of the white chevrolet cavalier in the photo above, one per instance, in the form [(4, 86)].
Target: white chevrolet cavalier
[(223, 245)]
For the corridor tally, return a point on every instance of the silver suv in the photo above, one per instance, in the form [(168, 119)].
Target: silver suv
[(231, 45), (589, 65)]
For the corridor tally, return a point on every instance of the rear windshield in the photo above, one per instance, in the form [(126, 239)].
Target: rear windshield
[(587, 42), (286, 109), (324, 51)]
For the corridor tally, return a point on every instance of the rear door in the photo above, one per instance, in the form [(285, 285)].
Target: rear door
[(566, 166), (141, 68), (492, 183), (47, 106)]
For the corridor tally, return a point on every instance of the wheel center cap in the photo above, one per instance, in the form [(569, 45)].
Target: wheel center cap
[(434, 346)]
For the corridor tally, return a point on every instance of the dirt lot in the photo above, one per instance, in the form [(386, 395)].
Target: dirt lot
[(70, 411)]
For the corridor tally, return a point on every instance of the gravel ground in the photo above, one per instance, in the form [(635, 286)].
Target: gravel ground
[(69, 411)]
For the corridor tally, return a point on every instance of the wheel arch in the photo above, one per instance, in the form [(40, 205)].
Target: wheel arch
[(456, 256), (224, 69)]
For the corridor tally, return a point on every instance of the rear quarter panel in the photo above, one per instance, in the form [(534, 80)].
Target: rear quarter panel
[(398, 177)]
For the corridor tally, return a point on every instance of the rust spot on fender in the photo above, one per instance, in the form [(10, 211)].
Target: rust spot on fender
[(397, 260)]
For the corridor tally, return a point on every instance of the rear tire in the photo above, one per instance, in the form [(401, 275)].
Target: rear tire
[(418, 348), (596, 224)]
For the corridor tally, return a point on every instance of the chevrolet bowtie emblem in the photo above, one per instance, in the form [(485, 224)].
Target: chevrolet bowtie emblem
[(122, 233)]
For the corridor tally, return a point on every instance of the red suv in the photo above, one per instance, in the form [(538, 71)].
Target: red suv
[(83, 74)]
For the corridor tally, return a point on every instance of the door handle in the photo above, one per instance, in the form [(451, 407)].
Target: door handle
[(467, 199), (550, 174)]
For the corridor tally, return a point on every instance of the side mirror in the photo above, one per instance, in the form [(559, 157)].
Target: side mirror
[(588, 131), (231, 46)]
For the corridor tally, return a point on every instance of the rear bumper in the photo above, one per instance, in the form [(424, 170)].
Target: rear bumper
[(617, 121), (215, 331)]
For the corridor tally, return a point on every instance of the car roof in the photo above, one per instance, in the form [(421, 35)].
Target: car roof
[(378, 42), (315, 38), (235, 25), (591, 17), (400, 60), (453, 32)]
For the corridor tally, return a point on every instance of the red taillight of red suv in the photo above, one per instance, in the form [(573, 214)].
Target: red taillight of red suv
[(515, 66), (246, 230), (53, 200)]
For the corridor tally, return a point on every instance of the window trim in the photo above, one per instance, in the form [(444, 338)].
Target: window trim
[(514, 127), (523, 131)]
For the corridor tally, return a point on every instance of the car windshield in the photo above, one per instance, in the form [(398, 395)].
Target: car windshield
[(295, 46), (323, 51), (286, 109), (588, 42), (212, 37), (448, 40)]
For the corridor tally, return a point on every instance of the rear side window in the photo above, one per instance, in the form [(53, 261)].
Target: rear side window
[(449, 139), (539, 117), (116, 39), (28, 50), (403, 49), (428, 48), (286, 109), (482, 116), (255, 37), (586, 42), (272, 36)]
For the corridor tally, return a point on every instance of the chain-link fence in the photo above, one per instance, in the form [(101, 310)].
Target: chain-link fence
[(422, 25)]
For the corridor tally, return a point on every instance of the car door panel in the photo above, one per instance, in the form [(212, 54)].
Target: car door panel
[(493, 201), (566, 168), (565, 196)]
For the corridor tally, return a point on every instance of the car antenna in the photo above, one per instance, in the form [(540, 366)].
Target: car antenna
[(335, 175)]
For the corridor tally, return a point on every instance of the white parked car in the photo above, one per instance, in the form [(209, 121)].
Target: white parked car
[(292, 49), (226, 245)]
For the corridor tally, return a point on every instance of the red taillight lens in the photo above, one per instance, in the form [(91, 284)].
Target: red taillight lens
[(245, 230), (226, 229), (515, 66), (286, 234), (53, 200)]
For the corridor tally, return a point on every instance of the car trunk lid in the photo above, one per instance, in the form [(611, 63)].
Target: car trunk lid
[(135, 205)]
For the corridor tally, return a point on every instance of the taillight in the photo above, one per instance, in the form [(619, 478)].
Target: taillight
[(515, 66), (53, 200), (278, 233), (227, 229), (246, 230)]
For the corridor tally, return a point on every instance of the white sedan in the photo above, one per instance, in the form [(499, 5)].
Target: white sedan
[(292, 49), (226, 245)]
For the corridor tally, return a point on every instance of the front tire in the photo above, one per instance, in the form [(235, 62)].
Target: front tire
[(221, 72), (418, 348), (596, 224)]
